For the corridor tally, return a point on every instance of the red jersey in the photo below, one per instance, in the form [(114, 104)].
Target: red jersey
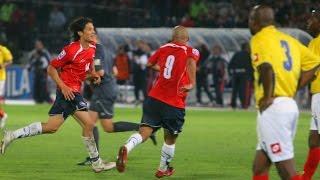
[(74, 62), (172, 59)]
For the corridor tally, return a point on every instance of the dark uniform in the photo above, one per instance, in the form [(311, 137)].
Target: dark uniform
[(139, 75), (241, 72), (105, 94), (38, 63), (218, 74), (202, 74)]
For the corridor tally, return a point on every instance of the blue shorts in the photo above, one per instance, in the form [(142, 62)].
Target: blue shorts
[(65, 107), (157, 114)]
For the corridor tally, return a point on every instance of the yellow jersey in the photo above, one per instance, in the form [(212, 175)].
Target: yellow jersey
[(314, 46), (5, 57), (286, 55)]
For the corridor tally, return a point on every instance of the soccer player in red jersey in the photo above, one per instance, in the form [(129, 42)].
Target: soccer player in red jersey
[(165, 104), (69, 70)]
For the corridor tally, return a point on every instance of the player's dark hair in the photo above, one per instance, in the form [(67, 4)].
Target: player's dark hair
[(316, 13), (78, 25)]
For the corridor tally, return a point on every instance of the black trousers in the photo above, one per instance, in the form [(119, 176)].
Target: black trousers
[(202, 84), (241, 87), (40, 91), (219, 88), (140, 84)]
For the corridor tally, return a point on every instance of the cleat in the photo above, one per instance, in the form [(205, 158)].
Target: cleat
[(153, 138), (3, 121), (100, 165), (86, 162), (122, 159), (168, 172), (7, 139)]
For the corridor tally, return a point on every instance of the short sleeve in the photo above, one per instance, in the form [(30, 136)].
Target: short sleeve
[(309, 60), (259, 55), (7, 56), (63, 58), (153, 59), (193, 53)]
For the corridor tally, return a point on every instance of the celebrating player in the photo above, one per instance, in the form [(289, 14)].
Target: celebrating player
[(314, 136), (277, 60), (165, 104), (74, 62), (103, 98)]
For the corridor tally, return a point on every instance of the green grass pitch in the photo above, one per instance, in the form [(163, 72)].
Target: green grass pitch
[(214, 145)]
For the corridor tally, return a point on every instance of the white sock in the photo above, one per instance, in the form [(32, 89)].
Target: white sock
[(30, 130), (133, 141), (91, 147), (167, 153)]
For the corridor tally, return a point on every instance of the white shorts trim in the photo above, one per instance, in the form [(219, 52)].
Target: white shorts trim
[(276, 128), (315, 112)]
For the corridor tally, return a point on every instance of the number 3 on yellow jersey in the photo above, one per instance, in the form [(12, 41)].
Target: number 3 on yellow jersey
[(287, 64)]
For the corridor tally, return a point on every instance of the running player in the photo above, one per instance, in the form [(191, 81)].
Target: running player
[(74, 62), (103, 98), (165, 105), (277, 59)]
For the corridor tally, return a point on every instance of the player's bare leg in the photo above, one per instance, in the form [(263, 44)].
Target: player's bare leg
[(261, 165), (88, 124), (3, 115), (313, 158), (133, 141), (167, 154), (286, 170), (37, 128), (87, 160), (122, 126)]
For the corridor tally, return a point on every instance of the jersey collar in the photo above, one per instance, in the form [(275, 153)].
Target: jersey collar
[(268, 28), (179, 44)]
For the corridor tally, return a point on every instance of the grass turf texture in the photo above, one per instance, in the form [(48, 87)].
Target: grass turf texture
[(213, 145)]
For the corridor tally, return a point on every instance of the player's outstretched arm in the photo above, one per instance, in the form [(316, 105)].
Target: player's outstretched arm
[(266, 73), (307, 76), (66, 91)]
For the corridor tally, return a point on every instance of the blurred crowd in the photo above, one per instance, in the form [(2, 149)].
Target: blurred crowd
[(22, 21), (24, 25)]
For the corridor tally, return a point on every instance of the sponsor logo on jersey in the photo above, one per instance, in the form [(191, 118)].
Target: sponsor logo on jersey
[(275, 148), (62, 54), (195, 52)]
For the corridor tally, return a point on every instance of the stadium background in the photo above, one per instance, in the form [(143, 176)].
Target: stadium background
[(23, 22), (222, 22)]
